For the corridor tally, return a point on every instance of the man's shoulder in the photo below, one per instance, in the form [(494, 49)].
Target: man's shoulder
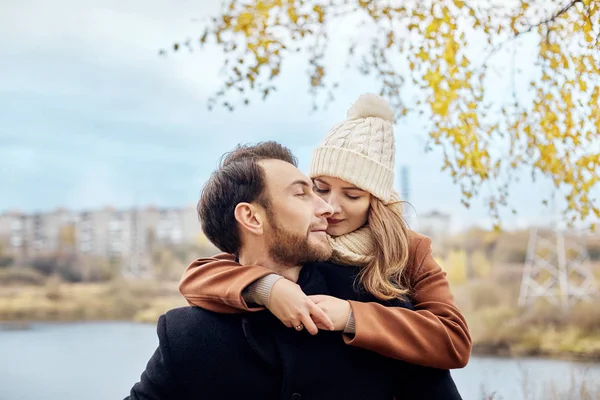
[(185, 313), (182, 313), (193, 320), (194, 330), (191, 315)]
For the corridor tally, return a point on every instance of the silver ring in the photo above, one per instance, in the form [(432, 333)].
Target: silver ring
[(299, 327)]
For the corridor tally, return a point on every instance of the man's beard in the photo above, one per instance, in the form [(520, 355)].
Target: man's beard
[(292, 249)]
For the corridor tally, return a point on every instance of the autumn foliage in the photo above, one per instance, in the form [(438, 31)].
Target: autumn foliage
[(500, 86)]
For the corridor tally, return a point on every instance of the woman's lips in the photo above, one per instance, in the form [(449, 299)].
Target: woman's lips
[(333, 221)]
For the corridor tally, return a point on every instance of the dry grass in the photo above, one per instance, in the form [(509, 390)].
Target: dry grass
[(580, 387), (20, 276), (119, 300), (499, 326)]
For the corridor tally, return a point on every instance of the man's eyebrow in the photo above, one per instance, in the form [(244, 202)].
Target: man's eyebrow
[(301, 182)]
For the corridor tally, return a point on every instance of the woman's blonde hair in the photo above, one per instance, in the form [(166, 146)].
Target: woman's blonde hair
[(384, 276)]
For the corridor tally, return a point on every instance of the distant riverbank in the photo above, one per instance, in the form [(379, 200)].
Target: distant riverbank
[(139, 301), (496, 330)]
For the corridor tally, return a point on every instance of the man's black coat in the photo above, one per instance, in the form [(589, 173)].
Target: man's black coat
[(205, 355)]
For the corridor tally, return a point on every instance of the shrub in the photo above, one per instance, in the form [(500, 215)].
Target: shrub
[(6, 261), (21, 276)]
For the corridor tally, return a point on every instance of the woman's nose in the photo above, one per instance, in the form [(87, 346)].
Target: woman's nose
[(335, 205)]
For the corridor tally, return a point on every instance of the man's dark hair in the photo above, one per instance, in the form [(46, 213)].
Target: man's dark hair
[(238, 179)]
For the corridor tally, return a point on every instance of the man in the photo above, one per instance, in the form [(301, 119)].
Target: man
[(261, 208)]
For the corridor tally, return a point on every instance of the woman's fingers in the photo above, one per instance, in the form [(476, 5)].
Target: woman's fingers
[(320, 317), (309, 324)]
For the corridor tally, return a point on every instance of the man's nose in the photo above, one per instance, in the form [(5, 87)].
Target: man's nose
[(324, 210)]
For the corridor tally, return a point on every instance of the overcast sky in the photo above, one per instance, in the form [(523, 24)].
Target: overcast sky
[(90, 115)]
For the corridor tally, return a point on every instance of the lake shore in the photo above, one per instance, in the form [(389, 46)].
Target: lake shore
[(144, 302)]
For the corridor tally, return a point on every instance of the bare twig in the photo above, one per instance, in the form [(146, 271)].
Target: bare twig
[(551, 19), (546, 21)]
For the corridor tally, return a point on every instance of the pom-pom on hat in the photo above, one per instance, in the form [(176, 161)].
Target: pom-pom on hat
[(361, 149)]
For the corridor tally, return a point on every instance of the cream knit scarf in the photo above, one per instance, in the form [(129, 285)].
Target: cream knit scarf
[(354, 248)]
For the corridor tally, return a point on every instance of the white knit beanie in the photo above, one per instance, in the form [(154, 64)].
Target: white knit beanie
[(361, 149)]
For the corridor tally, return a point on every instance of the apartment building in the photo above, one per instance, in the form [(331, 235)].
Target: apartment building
[(127, 234), (435, 224)]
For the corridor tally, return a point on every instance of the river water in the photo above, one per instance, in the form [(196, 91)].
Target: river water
[(102, 360)]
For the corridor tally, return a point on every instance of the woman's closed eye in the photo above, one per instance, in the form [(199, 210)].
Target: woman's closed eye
[(320, 191)]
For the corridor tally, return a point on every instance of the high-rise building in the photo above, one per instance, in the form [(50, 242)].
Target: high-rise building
[(405, 183)]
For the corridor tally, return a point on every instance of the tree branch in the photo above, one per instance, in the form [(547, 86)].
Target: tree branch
[(548, 20)]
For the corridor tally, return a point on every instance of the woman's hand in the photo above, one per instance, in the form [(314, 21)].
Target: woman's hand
[(288, 302), (338, 310)]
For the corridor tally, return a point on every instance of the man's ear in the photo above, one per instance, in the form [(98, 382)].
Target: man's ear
[(249, 217)]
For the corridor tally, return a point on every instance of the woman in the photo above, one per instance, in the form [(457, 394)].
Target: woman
[(353, 171)]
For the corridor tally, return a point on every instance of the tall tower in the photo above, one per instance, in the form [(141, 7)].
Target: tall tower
[(405, 191), (557, 268), (404, 183)]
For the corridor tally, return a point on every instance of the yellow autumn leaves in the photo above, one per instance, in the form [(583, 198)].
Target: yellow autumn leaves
[(550, 125)]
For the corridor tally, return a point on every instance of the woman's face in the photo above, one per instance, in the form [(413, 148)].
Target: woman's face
[(350, 204)]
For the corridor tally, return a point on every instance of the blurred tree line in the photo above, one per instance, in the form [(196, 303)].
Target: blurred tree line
[(167, 262), (478, 253), (469, 255)]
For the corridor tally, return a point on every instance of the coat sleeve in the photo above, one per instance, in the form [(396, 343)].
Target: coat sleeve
[(435, 334), (217, 283), (157, 382)]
